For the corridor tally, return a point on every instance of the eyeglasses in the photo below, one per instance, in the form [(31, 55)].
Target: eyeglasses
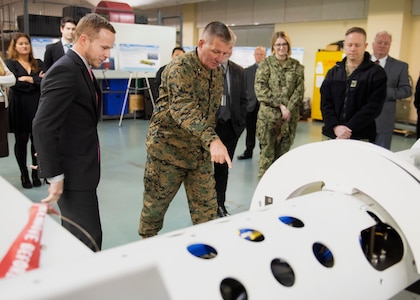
[(281, 45)]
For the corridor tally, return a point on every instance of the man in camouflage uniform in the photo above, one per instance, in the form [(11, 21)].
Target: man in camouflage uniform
[(279, 86), (181, 142)]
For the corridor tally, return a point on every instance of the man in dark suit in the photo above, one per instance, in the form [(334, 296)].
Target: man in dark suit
[(397, 87), (56, 50), (230, 120), (65, 129), (253, 104)]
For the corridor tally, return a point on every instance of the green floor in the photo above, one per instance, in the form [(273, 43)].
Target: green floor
[(120, 191)]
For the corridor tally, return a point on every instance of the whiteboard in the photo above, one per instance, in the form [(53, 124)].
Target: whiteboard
[(139, 50)]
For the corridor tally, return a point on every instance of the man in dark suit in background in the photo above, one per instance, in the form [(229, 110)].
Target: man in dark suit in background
[(56, 50), (397, 87), (65, 128), (253, 104), (230, 120)]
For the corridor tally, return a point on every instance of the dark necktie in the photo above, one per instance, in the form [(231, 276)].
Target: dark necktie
[(96, 99), (224, 112), (67, 47), (377, 61), (91, 77), (90, 73), (225, 82)]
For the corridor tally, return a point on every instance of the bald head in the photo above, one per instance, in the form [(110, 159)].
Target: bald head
[(259, 54)]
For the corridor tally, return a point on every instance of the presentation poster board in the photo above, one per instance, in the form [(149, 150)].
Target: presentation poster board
[(139, 50), (243, 56), (39, 44), (139, 58), (297, 53)]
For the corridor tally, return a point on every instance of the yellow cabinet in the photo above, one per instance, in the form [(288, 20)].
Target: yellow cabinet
[(324, 60)]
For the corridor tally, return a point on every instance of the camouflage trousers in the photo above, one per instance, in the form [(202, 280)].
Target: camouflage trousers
[(161, 183), (275, 139)]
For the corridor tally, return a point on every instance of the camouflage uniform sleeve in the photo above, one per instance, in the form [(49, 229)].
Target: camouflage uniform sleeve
[(299, 88), (262, 84), (191, 102)]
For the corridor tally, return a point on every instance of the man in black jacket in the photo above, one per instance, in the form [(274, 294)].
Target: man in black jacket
[(253, 104), (65, 129), (56, 50), (353, 92), (230, 123)]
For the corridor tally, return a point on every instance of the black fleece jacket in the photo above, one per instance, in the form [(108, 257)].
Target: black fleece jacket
[(355, 101)]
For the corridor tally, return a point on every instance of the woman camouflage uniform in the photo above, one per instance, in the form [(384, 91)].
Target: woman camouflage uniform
[(279, 86)]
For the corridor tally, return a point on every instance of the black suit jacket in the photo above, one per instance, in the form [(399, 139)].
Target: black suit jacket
[(249, 74), (238, 101), (52, 53), (65, 125), (157, 82)]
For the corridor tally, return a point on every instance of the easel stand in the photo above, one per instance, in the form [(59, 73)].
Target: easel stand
[(127, 92)]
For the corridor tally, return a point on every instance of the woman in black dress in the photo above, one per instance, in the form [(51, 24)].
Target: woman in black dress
[(23, 101)]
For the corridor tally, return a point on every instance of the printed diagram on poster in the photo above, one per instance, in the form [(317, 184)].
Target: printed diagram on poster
[(139, 58), (141, 55)]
